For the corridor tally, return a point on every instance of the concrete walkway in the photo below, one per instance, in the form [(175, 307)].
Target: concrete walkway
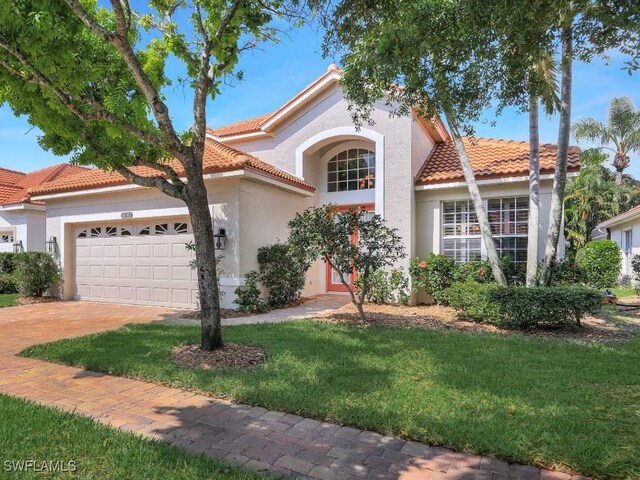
[(313, 307), (261, 440)]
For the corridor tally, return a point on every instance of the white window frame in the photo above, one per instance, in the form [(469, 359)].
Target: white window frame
[(483, 249), (371, 169)]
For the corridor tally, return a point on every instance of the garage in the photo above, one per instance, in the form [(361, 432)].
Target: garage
[(143, 264)]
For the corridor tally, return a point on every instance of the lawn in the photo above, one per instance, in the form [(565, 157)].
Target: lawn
[(8, 299), (32, 432), (541, 401)]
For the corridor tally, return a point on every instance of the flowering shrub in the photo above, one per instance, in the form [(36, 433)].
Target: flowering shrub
[(433, 275), (387, 287)]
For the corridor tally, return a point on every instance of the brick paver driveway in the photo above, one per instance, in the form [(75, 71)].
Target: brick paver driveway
[(257, 438)]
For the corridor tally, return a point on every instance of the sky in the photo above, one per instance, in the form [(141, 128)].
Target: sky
[(276, 72)]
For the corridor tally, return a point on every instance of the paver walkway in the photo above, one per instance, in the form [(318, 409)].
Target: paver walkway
[(257, 438)]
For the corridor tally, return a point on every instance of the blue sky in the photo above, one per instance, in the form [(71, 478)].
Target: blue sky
[(277, 72)]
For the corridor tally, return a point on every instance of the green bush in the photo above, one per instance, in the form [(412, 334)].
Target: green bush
[(475, 271), (471, 299), (387, 287), (434, 275), (600, 261), (35, 273), (7, 262), (564, 272), (248, 296), (522, 307), (282, 273), (635, 266), (7, 284)]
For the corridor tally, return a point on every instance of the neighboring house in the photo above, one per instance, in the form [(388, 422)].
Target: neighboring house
[(123, 243), (22, 220), (624, 229)]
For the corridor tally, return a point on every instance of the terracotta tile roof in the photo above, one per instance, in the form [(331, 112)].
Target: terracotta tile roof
[(217, 158), (250, 125), (14, 186), (490, 158)]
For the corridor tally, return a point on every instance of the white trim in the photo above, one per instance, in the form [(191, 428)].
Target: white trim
[(620, 219), (350, 131), (23, 206), (242, 136), (491, 181), (302, 99)]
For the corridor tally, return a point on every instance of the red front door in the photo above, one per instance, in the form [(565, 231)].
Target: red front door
[(333, 279)]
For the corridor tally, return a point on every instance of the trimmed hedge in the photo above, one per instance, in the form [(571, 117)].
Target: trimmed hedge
[(282, 274), (522, 307), (7, 266), (600, 262)]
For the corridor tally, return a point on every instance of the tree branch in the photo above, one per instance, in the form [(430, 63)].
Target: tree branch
[(157, 181), (68, 101), (163, 167), (120, 41)]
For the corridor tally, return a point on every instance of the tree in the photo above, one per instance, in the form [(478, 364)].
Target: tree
[(594, 196), (622, 131), (351, 242), (93, 79)]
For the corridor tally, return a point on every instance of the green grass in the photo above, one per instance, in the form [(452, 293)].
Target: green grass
[(8, 299), (622, 292), (529, 400), (32, 432)]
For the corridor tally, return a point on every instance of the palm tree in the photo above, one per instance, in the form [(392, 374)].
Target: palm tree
[(543, 86), (621, 134)]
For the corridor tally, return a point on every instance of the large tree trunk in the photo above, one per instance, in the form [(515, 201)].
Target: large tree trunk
[(478, 204), (534, 192), (619, 177), (560, 177), (198, 205)]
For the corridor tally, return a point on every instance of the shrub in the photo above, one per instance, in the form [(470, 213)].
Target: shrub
[(434, 275), (35, 273), (7, 262), (7, 284), (600, 260), (472, 300), (387, 287), (635, 266), (248, 296), (523, 307), (282, 273), (564, 272), (475, 271)]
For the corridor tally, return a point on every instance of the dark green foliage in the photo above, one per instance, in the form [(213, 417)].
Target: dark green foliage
[(434, 275), (523, 307), (7, 262), (472, 300), (7, 284), (475, 271), (564, 272), (249, 296), (600, 261), (387, 287), (35, 273), (282, 272), (635, 266)]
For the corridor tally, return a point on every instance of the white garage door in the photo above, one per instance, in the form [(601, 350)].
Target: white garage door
[(145, 264)]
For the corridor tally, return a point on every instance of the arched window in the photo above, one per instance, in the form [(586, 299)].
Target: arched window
[(353, 169)]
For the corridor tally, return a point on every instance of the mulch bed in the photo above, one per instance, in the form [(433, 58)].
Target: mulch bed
[(231, 355), (36, 300), (438, 317)]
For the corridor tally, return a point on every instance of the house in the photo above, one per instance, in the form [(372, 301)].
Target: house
[(22, 220), (123, 243), (624, 229)]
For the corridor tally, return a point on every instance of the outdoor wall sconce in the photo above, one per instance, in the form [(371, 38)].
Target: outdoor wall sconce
[(17, 247), (52, 245), (220, 239)]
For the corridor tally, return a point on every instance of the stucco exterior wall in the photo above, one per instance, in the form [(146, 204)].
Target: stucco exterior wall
[(429, 216), (27, 226), (617, 234)]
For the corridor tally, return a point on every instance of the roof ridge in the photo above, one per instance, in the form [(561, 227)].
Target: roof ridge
[(239, 122), (12, 170)]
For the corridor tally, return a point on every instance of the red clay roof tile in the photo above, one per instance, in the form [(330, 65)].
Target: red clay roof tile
[(490, 158), (217, 158)]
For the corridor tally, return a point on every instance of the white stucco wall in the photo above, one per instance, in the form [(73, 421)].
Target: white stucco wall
[(27, 226), (617, 234)]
